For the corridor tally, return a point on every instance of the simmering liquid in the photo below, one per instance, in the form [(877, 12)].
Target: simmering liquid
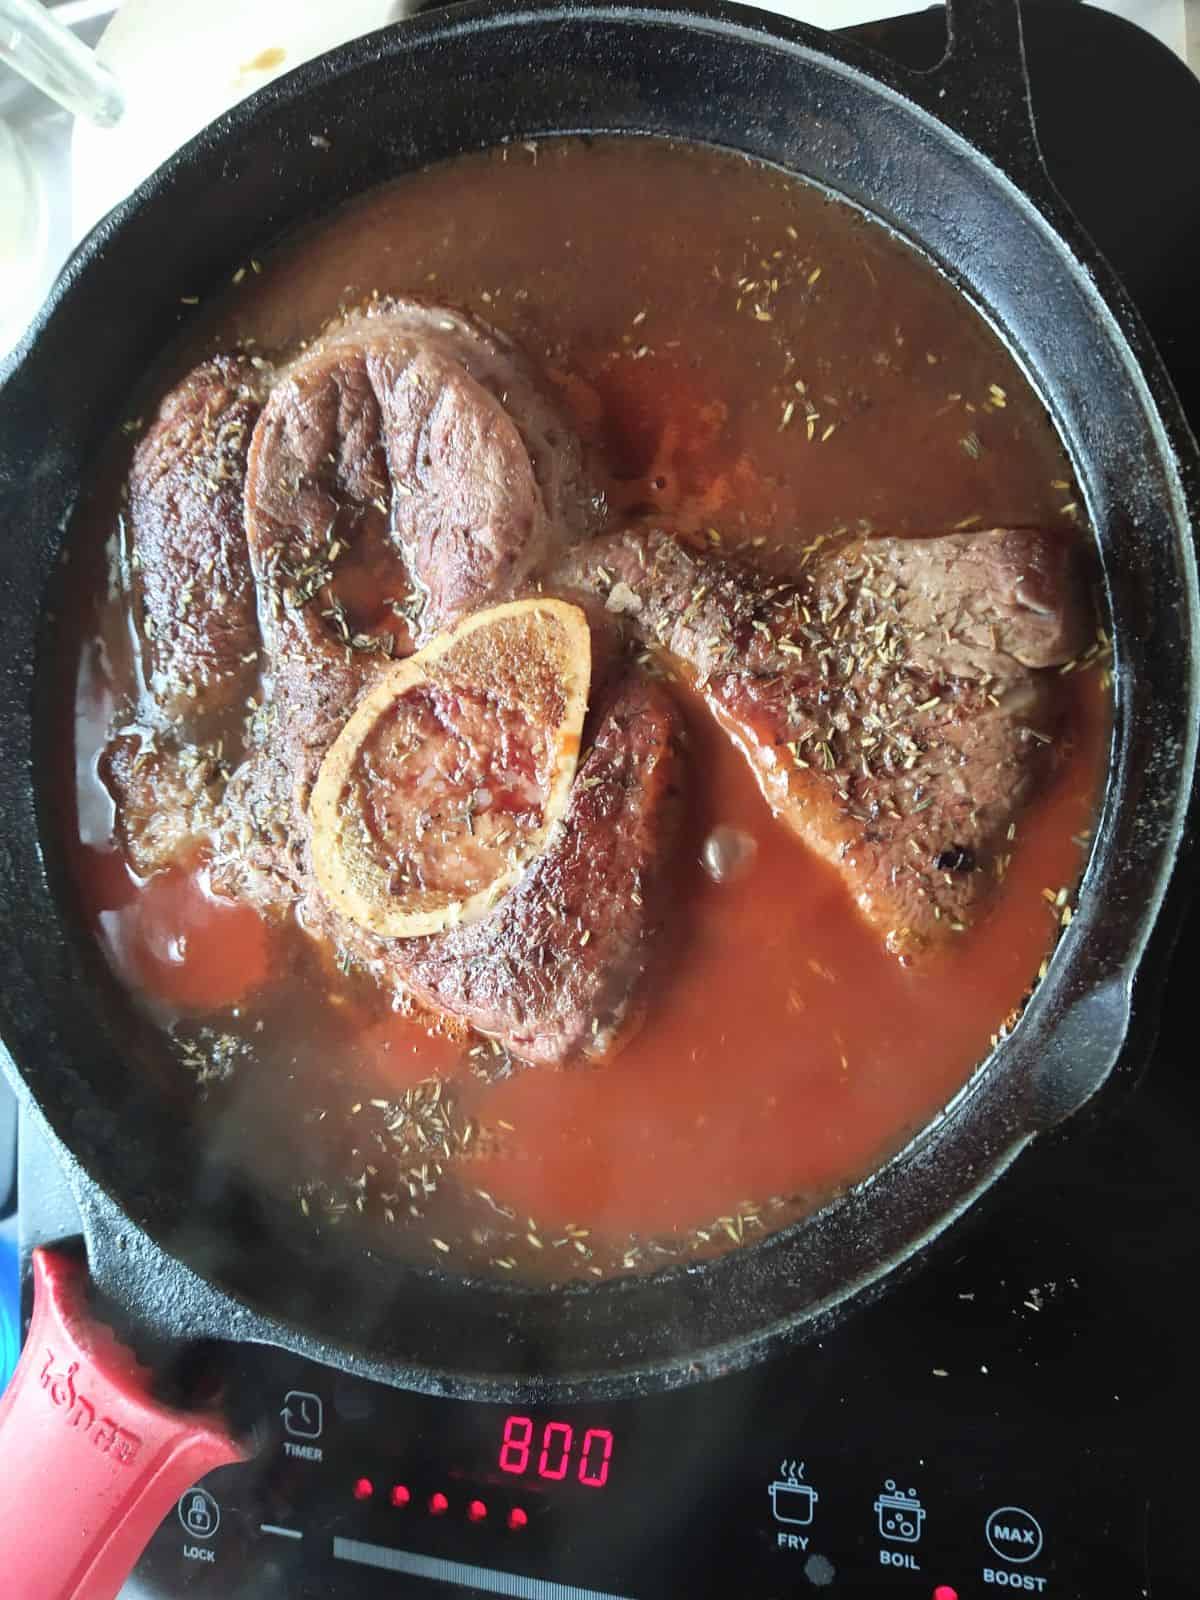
[(741, 354)]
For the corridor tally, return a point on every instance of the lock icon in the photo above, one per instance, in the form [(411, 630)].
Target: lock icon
[(199, 1513)]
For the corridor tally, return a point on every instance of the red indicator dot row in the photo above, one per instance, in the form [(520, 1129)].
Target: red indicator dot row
[(438, 1505)]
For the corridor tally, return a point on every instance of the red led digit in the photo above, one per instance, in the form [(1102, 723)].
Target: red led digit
[(514, 1452), (597, 1453), (555, 1432)]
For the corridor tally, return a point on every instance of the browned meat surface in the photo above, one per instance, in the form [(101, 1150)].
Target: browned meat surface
[(969, 605), (406, 471), (450, 774), (492, 362), (881, 695), (167, 797), (261, 853), (194, 598), (553, 971)]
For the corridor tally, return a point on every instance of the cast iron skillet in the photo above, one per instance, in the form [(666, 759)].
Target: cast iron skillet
[(948, 159)]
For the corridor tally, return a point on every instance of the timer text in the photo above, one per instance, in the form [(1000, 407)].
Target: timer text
[(555, 1453)]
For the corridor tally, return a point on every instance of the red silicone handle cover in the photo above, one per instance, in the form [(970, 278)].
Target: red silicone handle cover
[(90, 1463)]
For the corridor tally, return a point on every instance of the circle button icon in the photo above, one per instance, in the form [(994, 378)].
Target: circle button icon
[(199, 1513), (1015, 1535)]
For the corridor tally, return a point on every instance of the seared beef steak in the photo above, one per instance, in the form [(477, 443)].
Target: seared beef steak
[(193, 602), (194, 597), (553, 970), (406, 471), (168, 797), (452, 770), (884, 696)]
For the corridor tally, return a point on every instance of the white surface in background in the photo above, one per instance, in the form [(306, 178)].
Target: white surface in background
[(1167, 19), (183, 63), (1163, 18), (22, 219)]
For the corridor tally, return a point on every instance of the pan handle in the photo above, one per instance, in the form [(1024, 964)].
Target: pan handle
[(81, 1433), (981, 86)]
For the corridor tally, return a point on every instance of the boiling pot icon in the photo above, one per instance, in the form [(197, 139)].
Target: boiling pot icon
[(900, 1515)]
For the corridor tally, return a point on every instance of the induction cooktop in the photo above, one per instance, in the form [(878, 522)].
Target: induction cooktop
[(1018, 1415)]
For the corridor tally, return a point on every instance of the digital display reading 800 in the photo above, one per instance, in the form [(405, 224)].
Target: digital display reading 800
[(555, 1453)]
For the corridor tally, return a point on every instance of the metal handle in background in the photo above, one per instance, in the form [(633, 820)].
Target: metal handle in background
[(56, 62)]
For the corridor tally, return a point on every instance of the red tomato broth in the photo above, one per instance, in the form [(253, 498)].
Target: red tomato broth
[(783, 1051), (399, 1051), (189, 948), (804, 1087)]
